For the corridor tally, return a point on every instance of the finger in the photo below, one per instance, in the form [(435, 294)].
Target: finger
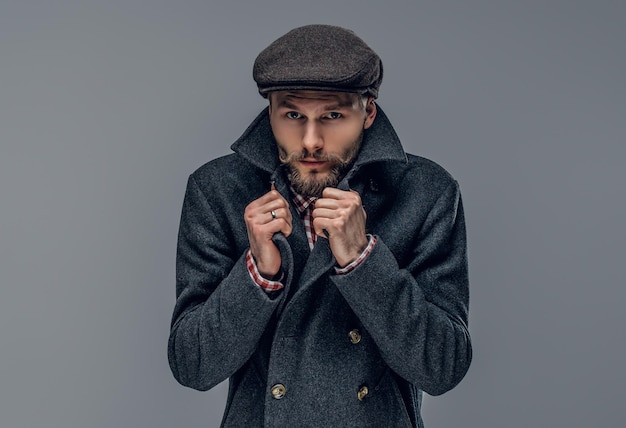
[(321, 227), (343, 199), (285, 227), (325, 213), (268, 229), (277, 202), (283, 213), (334, 193), (264, 232), (263, 213), (350, 203), (260, 205), (259, 211), (270, 196), (284, 216), (327, 203), (335, 209), (262, 225)]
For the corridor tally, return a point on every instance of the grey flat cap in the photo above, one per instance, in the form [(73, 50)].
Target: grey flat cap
[(318, 57)]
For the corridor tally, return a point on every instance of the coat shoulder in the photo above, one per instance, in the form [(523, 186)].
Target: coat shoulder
[(429, 169), (218, 167), (419, 173), (228, 173)]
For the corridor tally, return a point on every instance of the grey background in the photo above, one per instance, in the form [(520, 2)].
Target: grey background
[(107, 106)]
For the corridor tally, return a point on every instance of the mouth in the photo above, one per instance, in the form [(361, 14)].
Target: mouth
[(312, 163)]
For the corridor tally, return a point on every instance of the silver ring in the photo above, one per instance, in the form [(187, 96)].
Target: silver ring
[(273, 213)]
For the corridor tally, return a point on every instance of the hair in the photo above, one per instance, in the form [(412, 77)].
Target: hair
[(362, 100)]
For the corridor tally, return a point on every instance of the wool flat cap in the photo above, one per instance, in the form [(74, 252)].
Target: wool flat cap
[(318, 57)]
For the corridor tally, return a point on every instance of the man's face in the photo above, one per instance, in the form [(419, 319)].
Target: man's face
[(318, 135)]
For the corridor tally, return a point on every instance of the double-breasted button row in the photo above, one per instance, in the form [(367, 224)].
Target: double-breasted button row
[(355, 336), (278, 391)]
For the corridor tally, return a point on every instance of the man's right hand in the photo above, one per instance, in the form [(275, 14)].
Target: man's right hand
[(262, 225)]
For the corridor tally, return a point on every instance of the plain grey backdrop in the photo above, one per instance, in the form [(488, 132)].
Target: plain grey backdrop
[(107, 106)]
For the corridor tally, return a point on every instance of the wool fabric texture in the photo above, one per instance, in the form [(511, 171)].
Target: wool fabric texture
[(318, 57), (408, 300)]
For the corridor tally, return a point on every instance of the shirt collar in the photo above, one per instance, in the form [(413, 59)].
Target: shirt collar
[(302, 203)]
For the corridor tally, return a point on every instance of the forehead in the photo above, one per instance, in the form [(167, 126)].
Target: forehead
[(339, 99)]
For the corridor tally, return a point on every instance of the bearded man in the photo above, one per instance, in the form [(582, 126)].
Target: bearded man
[(320, 268)]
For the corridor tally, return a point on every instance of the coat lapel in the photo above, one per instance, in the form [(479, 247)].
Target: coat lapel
[(320, 261), (258, 146)]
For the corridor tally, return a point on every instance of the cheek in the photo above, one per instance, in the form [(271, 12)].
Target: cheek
[(344, 139), (285, 143), (284, 135)]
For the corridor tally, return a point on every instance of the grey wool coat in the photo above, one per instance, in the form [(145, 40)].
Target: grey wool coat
[(352, 350)]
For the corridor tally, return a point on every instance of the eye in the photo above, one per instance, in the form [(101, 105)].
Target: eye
[(293, 115), (334, 115)]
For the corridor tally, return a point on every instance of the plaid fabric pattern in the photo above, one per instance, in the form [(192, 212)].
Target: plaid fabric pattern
[(305, 206), (265, 284), (366, 252)]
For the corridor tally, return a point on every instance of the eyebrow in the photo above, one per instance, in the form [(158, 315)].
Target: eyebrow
[(332, 106)]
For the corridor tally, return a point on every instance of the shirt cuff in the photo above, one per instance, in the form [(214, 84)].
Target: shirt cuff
[(366, 252), (265, 284)]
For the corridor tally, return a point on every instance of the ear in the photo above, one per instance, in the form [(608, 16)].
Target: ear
[(370, 113)]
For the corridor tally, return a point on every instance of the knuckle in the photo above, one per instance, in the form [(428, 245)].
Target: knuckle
[(339, 223)]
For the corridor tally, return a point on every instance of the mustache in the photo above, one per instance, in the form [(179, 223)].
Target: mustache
[(288, 158)]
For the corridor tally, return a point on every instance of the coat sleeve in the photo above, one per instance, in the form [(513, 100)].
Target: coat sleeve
[(220, 313), (418, 315)]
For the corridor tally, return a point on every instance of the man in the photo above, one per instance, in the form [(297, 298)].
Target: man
[(319, 267)]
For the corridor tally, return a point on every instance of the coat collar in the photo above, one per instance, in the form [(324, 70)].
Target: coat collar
[(380, 143)]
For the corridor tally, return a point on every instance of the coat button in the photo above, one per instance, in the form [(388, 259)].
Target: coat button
[(278, 391), (355, 336), (362, 393)]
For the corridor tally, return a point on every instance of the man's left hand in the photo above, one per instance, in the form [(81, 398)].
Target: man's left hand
[(341, 214)]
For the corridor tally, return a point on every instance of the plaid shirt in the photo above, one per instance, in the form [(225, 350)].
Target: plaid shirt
[(305, 206)]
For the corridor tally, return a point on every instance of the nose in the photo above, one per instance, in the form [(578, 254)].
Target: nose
[(312, 139)]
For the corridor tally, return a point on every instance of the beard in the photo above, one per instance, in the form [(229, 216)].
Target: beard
[(312, 184)]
